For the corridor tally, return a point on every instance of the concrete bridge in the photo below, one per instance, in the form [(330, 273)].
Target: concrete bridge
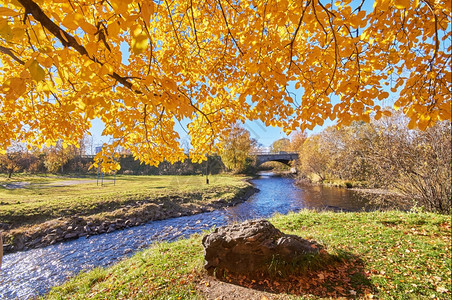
[(282, 157)]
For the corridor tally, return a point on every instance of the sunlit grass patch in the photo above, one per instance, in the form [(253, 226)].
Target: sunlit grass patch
[(387, 255), (165, 271), (45, 198), (404, 253)]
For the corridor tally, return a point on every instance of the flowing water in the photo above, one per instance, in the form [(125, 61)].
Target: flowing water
[(33, 272)]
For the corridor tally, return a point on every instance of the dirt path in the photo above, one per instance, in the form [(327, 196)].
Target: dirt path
[(16, 185), (24, 184), (74, 182), (213, 289)]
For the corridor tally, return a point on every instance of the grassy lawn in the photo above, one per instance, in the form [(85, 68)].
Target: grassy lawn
[(384, 255), (43, 198)]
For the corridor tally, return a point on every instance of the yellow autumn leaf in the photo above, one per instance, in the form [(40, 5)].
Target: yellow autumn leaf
[(58, 81), (5, 30), (113, 28), (378, 115), (402, 4), (147, 9), (120, 6), (87, 27), (69, 22), (91, 48), (382, 5), (4, 11), (17, 85), (383, 95), (36, 71), (140, 41)]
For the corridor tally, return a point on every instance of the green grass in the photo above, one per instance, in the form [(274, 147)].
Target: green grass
[(389, 255), (405, 255), (165, 271), (43, 199)]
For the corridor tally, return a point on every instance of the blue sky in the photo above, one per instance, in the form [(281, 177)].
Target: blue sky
[(263, 134)]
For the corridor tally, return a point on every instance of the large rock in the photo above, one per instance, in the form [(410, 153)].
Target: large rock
[(251, 247)]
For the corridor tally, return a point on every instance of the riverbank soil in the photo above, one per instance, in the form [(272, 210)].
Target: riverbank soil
[(213, 289), (35, 212)]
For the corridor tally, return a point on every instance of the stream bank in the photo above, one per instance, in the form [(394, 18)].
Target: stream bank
[(130, 215)]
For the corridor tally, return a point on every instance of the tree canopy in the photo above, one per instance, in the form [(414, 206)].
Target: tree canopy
[(280, 145), (142, 66), (237, 148)]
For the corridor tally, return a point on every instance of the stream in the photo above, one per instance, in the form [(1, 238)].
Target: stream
[(33, 272)]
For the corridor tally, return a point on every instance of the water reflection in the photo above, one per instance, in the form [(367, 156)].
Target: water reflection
[(34, 272), (324, 197)]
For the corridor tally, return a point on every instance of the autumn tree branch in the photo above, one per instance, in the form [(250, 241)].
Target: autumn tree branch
[(296, 32), (65, 38), (194, 28), (9, 52), (227, 25)]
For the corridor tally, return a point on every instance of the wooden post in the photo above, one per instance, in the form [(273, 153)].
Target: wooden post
[(97, 182), (207, 170)]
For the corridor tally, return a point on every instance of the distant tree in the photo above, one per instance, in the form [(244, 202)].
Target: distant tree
[(236, 148), (415, 163), (58, 155), (11, 162), (14, 160), (314, 159), (84, 146), (34, 161), (349, 148), (297, 138), (280, 145)]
